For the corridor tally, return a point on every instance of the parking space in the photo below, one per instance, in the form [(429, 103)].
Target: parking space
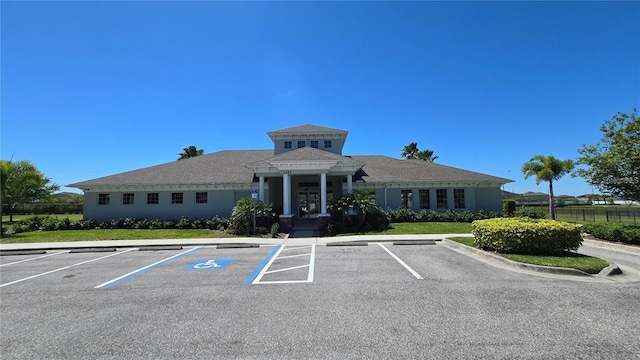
[(302, 301), (130, 268), (194, 266)]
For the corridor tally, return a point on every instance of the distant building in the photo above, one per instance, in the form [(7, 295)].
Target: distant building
[(300, 176)]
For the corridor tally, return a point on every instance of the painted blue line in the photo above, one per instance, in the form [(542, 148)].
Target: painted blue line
[(262, 265), (144, 269)]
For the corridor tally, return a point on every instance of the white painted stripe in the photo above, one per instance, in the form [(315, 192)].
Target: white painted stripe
[(299, 247), (291, 268), (284, 282), (402, 263), (146, 267), (35, 258), (312, 263), (66, 267), (266, 267), (292, 256)]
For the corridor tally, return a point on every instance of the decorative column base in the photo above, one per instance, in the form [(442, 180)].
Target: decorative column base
[(286, 223), (323, 223)]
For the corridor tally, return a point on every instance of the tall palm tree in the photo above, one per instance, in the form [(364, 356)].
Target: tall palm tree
[(426, 155), (409, 151), (547, 168), (190, 151)]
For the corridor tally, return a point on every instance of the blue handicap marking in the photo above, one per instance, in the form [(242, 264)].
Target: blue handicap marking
[(209, 264)]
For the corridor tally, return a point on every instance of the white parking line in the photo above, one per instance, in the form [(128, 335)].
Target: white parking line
[(66, 267), (143, 269), (413, 272), (35, 258), (311, 265)]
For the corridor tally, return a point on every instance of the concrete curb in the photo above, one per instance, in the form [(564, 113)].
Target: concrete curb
[(630, 249), (612, 269)]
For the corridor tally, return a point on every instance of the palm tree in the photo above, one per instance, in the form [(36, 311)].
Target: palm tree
[(547, 168), (190, 151), (426, 155), (409, 151)]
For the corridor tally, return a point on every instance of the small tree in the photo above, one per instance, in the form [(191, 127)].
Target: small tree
[(367, 210), (613, 164), (190, 151), (23, 183), (550, 169), (241, 216), (411, 152)]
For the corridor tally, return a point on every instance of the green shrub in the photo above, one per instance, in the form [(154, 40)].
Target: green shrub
[(508, 207), (20, 228), (184, 223), (526, 236), (275, 227), (217, 223), (532, 212), (624, 233), (240, 221)]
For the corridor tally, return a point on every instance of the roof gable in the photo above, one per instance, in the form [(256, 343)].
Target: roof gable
[(307, 129)]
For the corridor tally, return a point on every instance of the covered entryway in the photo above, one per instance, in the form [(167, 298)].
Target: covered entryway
[(308, 203)]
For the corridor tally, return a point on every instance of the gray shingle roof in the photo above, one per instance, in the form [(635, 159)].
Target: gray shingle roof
[(380, 168), (223, 167), (309, 154), (230, 167), (307, 129)]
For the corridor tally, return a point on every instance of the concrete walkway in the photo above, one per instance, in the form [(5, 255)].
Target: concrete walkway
[(219, 241)]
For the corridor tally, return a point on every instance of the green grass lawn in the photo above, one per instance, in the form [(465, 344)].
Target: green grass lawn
[(107, 234), (588, 264), (422, 228)]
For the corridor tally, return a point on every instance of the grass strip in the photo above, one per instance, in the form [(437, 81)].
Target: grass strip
[(412, 228), (108, 234), (588, 264)]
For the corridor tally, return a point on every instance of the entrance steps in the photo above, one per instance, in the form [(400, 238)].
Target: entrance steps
[(305, 228)]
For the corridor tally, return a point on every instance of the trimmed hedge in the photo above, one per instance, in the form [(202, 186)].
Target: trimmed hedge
[(624, 233), (408, 215), (526, 236), (50, 223)]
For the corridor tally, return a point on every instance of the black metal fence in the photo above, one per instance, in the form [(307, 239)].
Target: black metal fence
[(50, 208), (626, 216)]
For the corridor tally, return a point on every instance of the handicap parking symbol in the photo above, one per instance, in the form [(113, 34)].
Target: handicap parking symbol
[(209, 264)]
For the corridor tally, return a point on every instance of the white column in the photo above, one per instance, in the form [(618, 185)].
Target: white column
[(261, 192), (286, 195), (349, 184), (323, 193)]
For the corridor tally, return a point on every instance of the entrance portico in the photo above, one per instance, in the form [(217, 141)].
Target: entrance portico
[(304, 169)]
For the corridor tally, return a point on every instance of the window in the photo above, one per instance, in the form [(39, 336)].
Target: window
[(458, 198), (201, 198), (127, 199), (287, 144), (425, 202), (301, 144), (176, 198), (103, 199), (314, 144), (152, 198), (441, 198), (327, 144), (407, 199)]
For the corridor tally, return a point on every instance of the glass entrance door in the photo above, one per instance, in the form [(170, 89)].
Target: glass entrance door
[(308, 204)]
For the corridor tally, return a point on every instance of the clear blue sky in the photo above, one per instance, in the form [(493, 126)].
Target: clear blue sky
[(96, 88)]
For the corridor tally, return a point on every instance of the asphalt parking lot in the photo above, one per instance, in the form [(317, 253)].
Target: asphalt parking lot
[(305, 301)]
